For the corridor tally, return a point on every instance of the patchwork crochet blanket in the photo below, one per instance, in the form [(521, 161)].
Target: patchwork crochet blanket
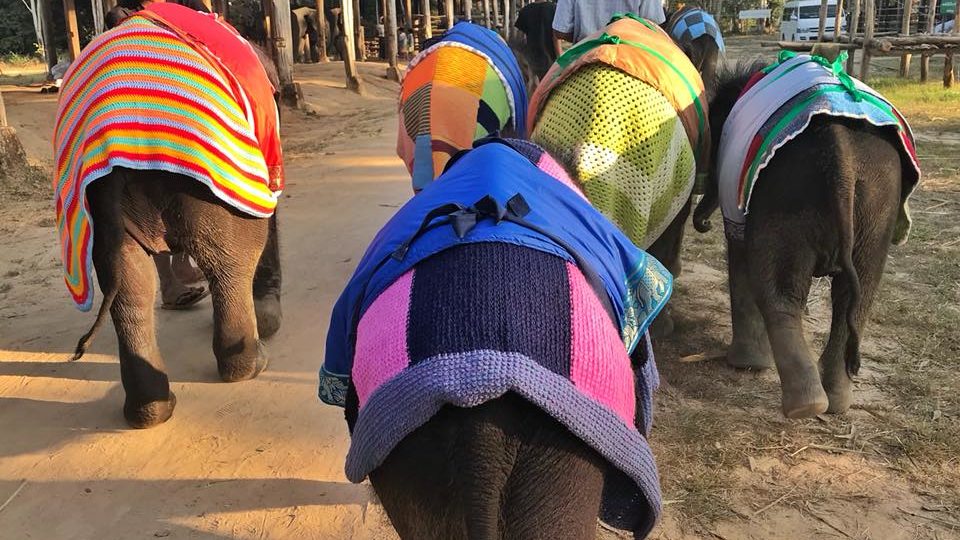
[(142, 97), (463, 86), (690, 22), (624, 111), (528, 290), (777, 106)]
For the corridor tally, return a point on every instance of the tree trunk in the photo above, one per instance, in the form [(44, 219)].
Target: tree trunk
[(46, 28)]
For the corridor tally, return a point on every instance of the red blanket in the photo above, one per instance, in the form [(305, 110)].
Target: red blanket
[(213, 37)]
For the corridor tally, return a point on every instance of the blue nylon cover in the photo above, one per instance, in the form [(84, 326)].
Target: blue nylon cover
[(636, 284)]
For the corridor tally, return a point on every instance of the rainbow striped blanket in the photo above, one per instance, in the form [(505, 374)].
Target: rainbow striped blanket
[(140, 97)]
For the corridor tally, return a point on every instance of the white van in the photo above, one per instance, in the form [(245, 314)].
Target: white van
[(801, 20)]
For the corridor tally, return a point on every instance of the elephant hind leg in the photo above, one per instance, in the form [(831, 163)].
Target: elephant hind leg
[(504, 469), (266, 285), (124, 267), (781, 269), (227, 247)]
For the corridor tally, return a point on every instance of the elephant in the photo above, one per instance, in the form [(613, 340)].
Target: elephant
[(632, 132), (697, 33), (484, 365), (149, 202), (535, 21), (304, 25), (828, 203)]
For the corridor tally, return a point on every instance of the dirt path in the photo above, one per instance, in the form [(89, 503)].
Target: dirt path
[(264, 459)]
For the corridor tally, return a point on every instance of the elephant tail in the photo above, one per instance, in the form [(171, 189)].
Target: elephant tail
[(845, 200), (707, 205), (84, 342)]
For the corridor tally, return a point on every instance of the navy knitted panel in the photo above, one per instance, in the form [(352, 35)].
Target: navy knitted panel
[(494, 296)]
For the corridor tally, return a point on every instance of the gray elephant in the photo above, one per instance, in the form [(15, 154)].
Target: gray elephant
[(304, 26), (812, 172), (535, 22), (481, 351), (698, 34), (140, 182)]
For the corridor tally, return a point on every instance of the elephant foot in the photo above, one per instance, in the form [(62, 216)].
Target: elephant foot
[(243, 368), (840, 399), (804, 398), (663, 325), (147, 415), (269, 315), (749, 356)]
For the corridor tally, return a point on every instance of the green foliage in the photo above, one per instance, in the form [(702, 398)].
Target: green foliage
[(16, 29)]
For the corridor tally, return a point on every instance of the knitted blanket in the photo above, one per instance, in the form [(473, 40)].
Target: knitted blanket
[(690, 23), (141, 97), (624, 112), (777, 106), (463, 86)]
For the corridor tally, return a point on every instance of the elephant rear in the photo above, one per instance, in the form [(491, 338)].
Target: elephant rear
[(503, 469)]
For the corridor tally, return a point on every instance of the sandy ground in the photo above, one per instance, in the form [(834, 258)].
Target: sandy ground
[(264, 459)]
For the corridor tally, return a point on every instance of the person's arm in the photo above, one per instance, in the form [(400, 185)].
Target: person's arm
[(563, 23)]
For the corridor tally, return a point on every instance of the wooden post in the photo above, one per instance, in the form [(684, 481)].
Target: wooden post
[(507, 19), (96, 6), (322, 30), (408, 6), (393, 72), (221, 7), (837, 20), (283, 47), (267, 7), (925, 57), (448, 13), (73, 33), (852, 31), (360, 38), (496, 14), (871, 19), (468, 10), (948, 58), (486, 13), (350, 62), (823, 20), (3, 112), (905, 30), (427, 20)]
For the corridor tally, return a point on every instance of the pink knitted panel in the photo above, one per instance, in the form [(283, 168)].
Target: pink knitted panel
[(381, 350), (599, 365), (550, 166)]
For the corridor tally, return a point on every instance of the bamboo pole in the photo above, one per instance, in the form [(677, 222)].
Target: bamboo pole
[(871, 19), (73, 33), (852, 31), (322, 30), (393, 72), (823, 20), (905, 30), (354, 82), (925, 58)]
